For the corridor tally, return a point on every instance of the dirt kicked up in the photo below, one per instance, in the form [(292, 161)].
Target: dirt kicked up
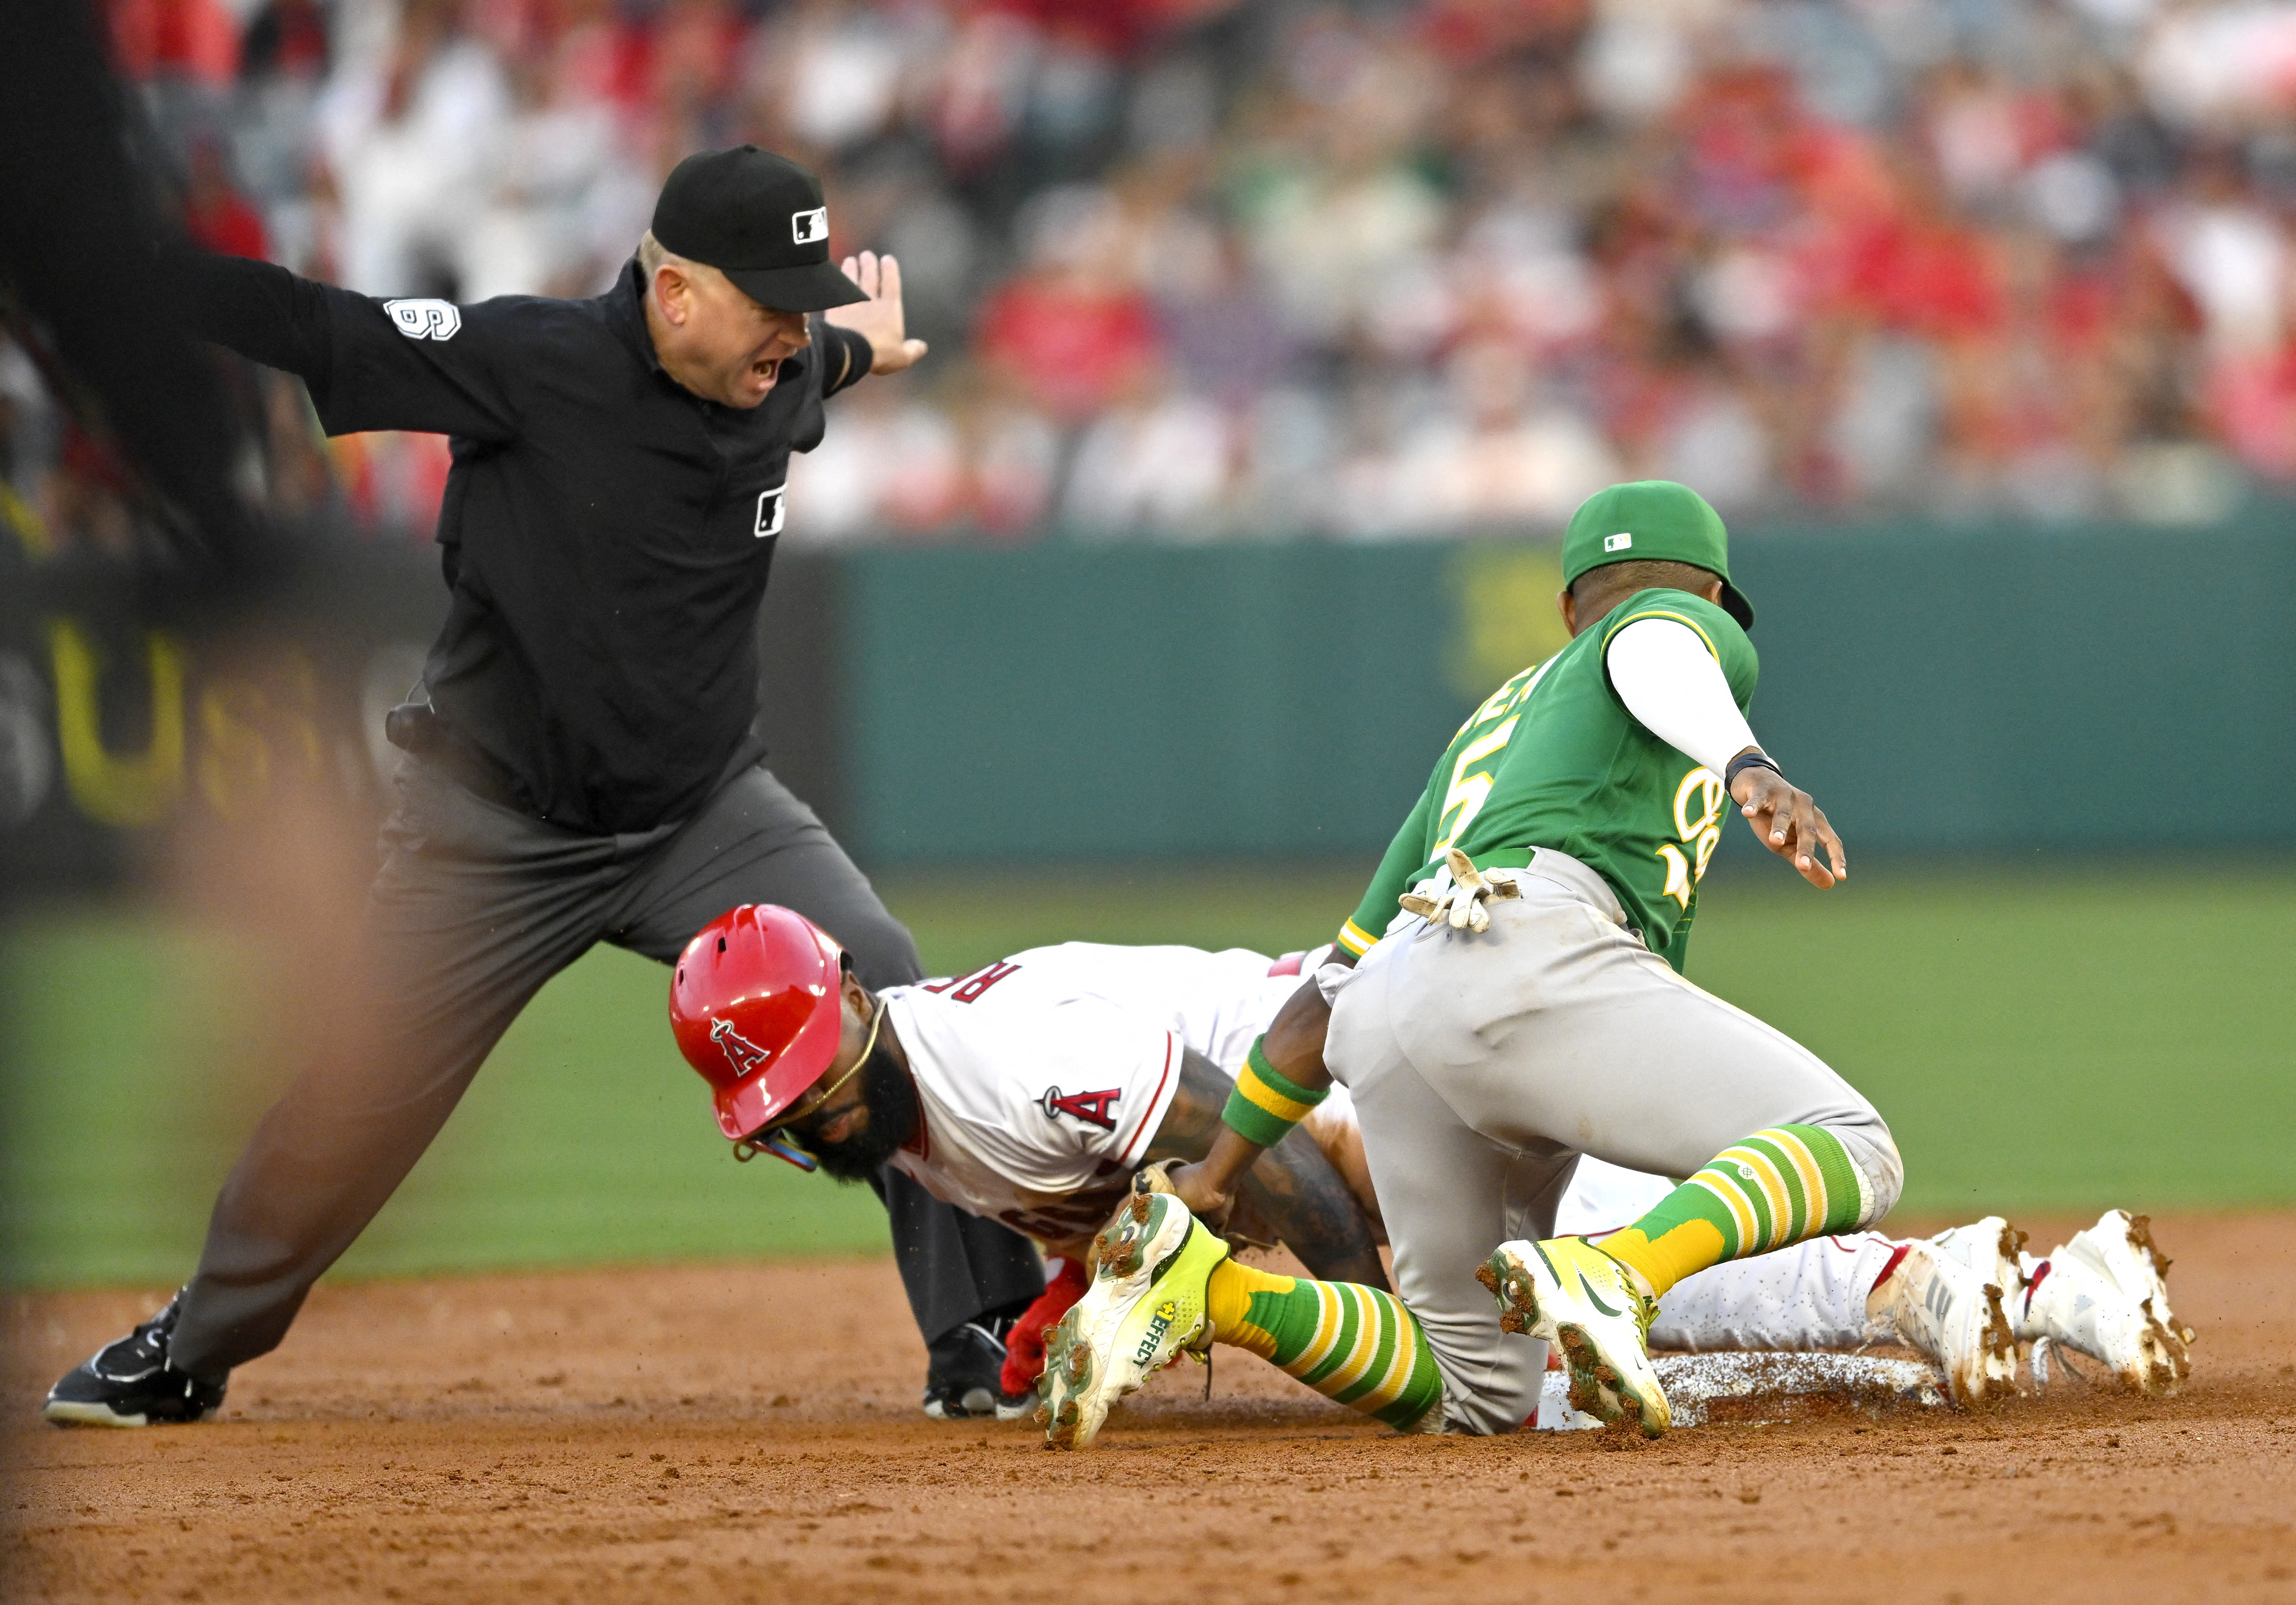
[(750, 1433)]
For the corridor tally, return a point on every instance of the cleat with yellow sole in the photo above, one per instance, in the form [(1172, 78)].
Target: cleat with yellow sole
[(1580, 1300), (1145, 1308)]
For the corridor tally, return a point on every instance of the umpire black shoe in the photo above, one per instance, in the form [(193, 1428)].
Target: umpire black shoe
[(131, 1383), (963, 1382)]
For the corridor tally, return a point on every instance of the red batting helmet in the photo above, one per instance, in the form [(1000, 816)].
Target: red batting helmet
[(755, 1007)]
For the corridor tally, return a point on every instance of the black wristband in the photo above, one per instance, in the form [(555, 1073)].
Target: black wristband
[(1755, 759)]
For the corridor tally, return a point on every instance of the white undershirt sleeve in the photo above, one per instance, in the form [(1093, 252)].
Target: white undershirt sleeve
[(1667, 679)]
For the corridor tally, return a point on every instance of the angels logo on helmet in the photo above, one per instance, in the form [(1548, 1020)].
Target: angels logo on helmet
[(741, 1052)]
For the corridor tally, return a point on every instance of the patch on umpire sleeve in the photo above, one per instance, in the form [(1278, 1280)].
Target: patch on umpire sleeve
[(425, 319), (769, 511)]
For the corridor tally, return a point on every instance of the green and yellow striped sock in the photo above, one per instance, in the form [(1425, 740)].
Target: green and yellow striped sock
[(1778, 1187), (1354, 1345)]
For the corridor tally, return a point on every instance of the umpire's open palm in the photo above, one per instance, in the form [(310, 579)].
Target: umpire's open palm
[(879, 320)]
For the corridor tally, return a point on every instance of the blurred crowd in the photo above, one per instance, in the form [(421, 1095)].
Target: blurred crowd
[(1195, 269)]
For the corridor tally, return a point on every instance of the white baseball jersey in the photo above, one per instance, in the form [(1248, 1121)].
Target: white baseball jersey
[(1043, 1078), (1217, 1002)]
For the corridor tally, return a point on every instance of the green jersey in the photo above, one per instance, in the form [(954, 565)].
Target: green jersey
[(1554, 760)]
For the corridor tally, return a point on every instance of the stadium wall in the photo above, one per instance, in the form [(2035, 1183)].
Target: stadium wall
[(2064, 688), (1988, 688)]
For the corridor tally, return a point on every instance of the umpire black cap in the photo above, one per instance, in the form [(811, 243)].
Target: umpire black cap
[(760, 219)]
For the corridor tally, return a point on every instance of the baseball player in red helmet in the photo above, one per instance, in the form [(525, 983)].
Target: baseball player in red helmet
[(1030, 1092)]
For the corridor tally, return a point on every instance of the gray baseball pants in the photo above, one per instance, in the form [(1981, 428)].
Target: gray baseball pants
[(1482, 1066), (474, 907)]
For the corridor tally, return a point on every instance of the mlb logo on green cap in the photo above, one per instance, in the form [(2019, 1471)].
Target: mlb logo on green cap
[(1652, 520)]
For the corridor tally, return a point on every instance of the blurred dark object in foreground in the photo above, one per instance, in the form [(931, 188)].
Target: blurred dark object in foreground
[(81, 232), (128, 743)]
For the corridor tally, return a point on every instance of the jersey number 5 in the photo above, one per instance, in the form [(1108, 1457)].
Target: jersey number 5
[(1470, 787)]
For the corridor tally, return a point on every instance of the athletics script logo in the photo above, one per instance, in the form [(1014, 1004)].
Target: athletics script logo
[(1094, 1109), (425, 319)]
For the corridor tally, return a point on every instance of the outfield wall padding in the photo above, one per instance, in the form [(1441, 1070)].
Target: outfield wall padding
[(1957, 688)]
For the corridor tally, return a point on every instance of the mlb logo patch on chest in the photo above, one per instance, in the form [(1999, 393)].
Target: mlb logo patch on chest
[(769, 511)]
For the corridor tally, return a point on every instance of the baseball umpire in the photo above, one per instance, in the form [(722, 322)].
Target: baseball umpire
[(581, 758)]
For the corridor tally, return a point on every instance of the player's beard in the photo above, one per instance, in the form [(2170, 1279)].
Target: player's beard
[(891, 1098)]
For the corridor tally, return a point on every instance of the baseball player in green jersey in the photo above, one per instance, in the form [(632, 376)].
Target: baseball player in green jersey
[(1518, 1001)]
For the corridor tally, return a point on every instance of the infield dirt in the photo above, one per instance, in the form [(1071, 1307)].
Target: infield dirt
[(750, 1433)]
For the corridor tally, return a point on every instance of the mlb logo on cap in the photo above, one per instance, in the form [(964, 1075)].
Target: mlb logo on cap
[(726, 207), (1652, 520)]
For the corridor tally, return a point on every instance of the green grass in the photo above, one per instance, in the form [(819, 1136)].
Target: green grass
[(2038, 1040)]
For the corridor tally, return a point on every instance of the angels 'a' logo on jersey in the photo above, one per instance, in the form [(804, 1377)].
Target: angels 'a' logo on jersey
[(741, 1052), (1094, 1109)]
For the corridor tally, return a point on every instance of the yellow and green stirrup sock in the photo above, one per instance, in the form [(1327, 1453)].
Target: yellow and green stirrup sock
[(1778, 1187), (1354, 1345)]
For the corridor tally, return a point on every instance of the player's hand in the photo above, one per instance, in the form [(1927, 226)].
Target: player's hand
[(879, 320), (1205, 1201), (1461, 904), (1790, 823)]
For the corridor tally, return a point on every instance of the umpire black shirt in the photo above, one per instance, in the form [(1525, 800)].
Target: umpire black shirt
[(605, 536)]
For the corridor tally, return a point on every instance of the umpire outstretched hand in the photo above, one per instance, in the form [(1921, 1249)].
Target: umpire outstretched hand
[(879, 320)]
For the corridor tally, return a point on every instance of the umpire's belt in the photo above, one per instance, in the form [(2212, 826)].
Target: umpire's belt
[(418, 728)]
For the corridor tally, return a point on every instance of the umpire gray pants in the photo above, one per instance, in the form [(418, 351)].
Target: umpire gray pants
[(1482, 1066), (474, 907)]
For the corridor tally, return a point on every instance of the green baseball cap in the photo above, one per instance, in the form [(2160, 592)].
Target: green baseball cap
[(1652, 520)]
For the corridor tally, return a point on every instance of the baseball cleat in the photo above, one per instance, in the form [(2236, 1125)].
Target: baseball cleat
[(1937, 1304), (131, 1382), (1582, 1302), (1144, 1309), (1991, 1248), (964, 1376), (2106, 1293)]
